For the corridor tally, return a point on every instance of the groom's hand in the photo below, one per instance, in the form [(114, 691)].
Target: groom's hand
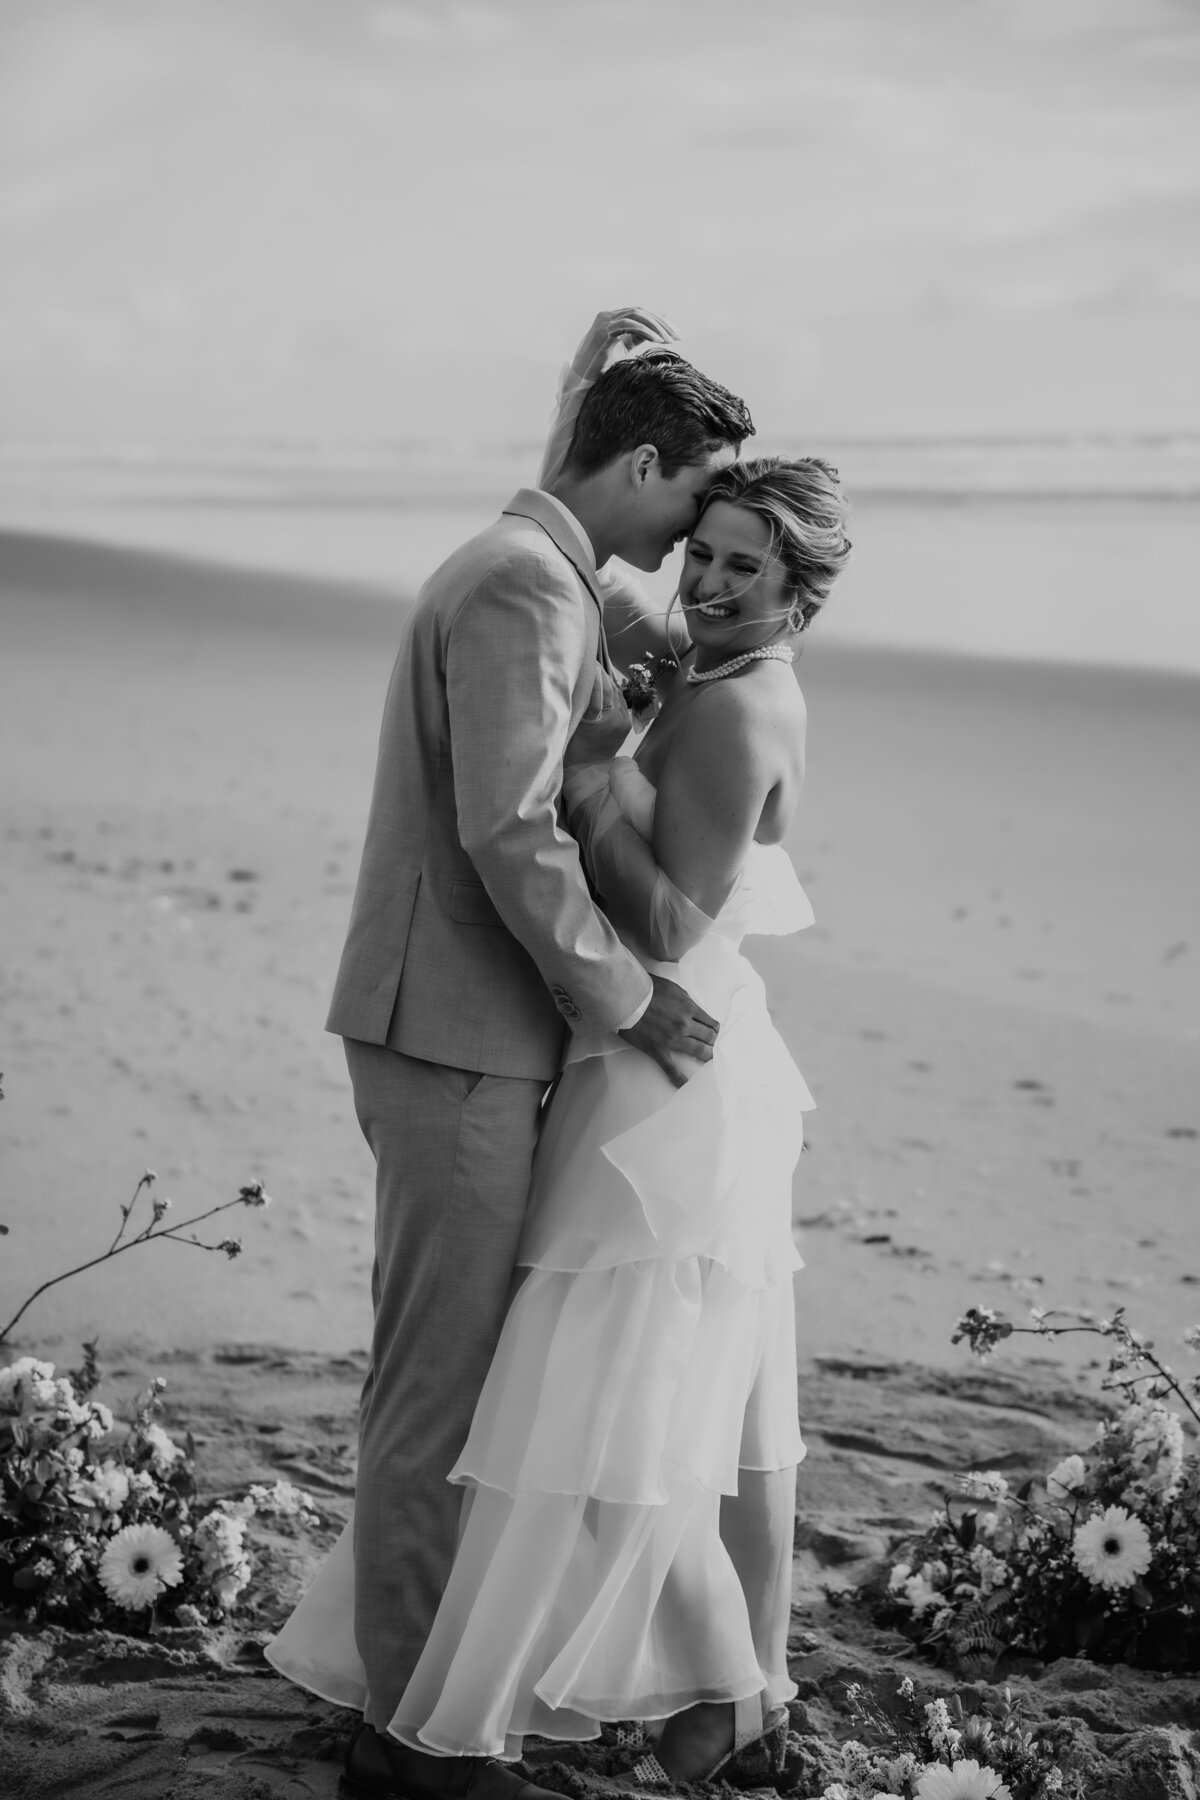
[(673, 1026)]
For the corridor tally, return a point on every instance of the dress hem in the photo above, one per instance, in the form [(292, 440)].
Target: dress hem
[(468, 1478)]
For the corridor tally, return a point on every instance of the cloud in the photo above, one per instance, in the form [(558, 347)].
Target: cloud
[(420, 205)]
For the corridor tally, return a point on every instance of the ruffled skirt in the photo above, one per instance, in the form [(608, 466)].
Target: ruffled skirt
[(645, 1371)]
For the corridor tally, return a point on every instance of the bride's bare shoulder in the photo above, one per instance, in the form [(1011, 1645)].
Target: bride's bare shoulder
[(763, 701), (732, 736)]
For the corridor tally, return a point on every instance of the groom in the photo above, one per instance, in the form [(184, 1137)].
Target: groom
[(473, 944)]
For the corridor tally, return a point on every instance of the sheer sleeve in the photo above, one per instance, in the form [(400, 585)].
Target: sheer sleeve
[(625, 331), (610, 812)]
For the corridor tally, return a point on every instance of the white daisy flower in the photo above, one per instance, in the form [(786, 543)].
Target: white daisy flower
[(138, 1564), (1112, 1548), (965, 1781), (1066, 1478)]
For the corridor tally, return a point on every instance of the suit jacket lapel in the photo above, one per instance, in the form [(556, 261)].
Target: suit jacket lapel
[(531, 503)]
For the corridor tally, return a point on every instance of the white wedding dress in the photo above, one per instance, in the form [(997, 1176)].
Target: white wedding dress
[(647, 1361)]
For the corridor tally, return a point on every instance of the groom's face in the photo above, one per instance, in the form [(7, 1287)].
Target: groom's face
[(663, 509)]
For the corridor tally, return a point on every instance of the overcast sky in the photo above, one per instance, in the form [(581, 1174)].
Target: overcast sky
[(394, 217)]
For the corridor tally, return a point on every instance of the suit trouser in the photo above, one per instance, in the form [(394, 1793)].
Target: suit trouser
[(453, 1151)]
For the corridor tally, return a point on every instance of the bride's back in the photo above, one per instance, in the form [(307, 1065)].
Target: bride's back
[(769, 708)]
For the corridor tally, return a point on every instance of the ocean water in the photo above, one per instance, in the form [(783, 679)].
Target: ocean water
[(1057, 549)]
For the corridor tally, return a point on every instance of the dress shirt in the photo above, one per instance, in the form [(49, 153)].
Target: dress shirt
[(573, 522)]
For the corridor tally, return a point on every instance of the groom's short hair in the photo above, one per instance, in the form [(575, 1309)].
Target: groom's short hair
[(660, 400)]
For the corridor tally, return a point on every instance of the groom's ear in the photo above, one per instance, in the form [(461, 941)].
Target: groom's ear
[(643, 460)]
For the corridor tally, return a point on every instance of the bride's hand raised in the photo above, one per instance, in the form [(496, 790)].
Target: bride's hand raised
[(625, 325)]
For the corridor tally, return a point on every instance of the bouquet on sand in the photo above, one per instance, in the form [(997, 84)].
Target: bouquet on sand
[(936, 1750), (1098, 1556), (101, 1522)]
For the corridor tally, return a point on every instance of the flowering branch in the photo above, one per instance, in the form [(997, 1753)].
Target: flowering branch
[(983, 1328), (251, 1194)]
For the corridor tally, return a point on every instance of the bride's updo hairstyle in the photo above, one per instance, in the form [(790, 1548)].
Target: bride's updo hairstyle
[(802, 505)]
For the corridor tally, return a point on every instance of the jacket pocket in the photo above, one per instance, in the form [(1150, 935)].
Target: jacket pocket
[(470, 904)]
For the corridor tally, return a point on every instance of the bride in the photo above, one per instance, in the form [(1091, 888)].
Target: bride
[(629, 1477)]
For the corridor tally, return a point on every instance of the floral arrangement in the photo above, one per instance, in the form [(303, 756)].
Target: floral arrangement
[(639, 690), (1098, 1556), (938, 1751), (99, 1526)]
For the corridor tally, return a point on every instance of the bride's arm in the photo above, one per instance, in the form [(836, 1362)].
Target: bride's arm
[(666, 893), (633, 892), (711, 793)]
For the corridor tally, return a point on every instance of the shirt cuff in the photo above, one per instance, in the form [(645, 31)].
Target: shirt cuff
[(629, 1023)]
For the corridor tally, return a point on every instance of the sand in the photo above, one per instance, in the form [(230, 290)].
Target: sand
[(998, 1012), (187, 1714), (998, 1009)]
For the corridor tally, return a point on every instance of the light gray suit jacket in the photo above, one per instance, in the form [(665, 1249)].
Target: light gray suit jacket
[(473, 936)]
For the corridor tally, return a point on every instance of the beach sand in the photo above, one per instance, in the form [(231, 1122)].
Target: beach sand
[(998, 1009), (998, 1012)]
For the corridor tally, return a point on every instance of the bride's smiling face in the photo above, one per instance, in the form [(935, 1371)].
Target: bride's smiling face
[(733, 592)]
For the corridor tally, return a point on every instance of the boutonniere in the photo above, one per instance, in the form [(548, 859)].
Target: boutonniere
[(640, 692)]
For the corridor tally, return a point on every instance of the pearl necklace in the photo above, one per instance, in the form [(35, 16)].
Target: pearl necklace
[(768, 652)]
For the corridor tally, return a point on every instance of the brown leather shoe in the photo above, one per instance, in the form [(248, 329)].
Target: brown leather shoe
[(379, 1768)]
